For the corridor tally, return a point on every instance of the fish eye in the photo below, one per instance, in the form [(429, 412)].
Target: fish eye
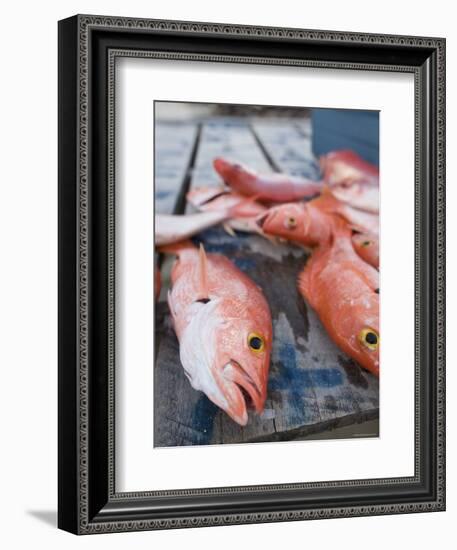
[(366, 243), (256, 342), (291, 222), (369, 338)]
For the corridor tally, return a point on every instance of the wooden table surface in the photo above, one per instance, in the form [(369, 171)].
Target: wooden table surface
[(313, 386)]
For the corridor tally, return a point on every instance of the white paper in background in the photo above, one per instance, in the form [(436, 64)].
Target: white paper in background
[(140, 467)]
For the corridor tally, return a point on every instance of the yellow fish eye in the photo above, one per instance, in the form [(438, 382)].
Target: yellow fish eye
[(366, 243), (291, 222), (256, 342), (369, 338)]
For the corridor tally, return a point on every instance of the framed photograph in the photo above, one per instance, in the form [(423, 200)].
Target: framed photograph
[(243, 212)]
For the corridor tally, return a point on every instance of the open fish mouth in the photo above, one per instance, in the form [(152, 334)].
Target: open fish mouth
[(248, 389)]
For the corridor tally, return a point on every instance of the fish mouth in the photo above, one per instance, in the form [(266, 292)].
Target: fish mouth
[(260, 220), (247, 394)]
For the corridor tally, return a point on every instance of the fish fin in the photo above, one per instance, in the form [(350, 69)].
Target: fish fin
[(203, 293), (228, 229), (171, 306), (176, 248), (254, 228), (303, 283), (273, 240)]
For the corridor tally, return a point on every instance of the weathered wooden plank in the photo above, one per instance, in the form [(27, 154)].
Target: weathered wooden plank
[(230, 138), (304, 125), (313, 386), (289, 146), (173, 146)]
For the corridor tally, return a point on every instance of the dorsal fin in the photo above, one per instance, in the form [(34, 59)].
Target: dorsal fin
[(229, 229), (203, 288)]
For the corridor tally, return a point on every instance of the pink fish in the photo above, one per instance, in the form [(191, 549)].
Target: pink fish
[(311, 223), (365, 222), (223, 324), (367, 247), (344, 292), (347, 167), (265, 187), (362, 196), (174, 228), (336, 281), (212, 199), (220, 198)]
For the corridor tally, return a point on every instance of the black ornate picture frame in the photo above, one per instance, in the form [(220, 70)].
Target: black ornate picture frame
[(88, 47)]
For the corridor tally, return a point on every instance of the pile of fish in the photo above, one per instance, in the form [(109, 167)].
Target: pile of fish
[(221, 317)]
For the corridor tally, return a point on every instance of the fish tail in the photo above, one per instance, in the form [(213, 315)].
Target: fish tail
[(177, 248)]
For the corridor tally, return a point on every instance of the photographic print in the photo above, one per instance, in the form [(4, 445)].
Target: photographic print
[(267, 274), (219, 268)]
